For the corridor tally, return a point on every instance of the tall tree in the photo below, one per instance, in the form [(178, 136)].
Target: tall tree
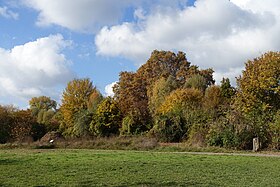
[(259, 85), (131, 91), (74, 99)]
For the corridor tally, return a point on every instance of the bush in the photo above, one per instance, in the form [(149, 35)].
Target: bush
[(169, 128), (222, 134)]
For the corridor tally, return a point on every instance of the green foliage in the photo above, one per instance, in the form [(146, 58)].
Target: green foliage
[(227, 91), (275, 131), (196, 81), (82, 123), (107, 118), (221, 133), (169, 128)]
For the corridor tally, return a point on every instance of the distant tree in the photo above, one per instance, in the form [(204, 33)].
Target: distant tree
[(75, 98), (133, 90), (108, 118), (159, 91), (259, 85), (213, 97), (22, 124), (41, 103), (227, 91), (196, 81), (6, 120), (94, 100), (258, 97)]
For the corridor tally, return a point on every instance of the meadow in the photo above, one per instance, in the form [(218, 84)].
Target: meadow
[(87, 167)]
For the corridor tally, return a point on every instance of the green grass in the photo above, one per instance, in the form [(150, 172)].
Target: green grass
[(84, 167)]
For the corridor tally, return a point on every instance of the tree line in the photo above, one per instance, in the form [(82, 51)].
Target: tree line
[(167, 98)]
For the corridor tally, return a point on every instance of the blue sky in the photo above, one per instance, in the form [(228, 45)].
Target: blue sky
[(44, 44)]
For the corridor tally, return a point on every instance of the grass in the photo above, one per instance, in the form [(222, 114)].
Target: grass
[(84, 167)]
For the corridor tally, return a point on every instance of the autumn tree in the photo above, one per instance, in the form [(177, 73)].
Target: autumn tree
[(6, 120), (159, 91), (44, 109), (107, 118), (196, 81), (22, 125), (176, 114), (132, 90), (75, 98), (258, 96), (227, 91), (259, 85)]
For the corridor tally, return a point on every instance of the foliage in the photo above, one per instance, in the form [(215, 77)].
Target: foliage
[(227, 91), (41, 103), (158, 92), (213, 98), (196, 81), (169, 128), (181, 100), (175, 116), (259, 85), (136, 93), (74, 99), (6, 120), (107, 118), (94, 100), (258, 98), (82, 122), (275, 131)]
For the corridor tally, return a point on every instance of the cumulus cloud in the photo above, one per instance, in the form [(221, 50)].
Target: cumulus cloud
[(90, 15), (214, 33), (109, 89), (6, 13), (78, 15), (34, 68)]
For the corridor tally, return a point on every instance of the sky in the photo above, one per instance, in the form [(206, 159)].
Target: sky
[(44, 44)]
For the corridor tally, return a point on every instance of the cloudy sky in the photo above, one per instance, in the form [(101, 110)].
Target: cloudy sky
[(46, 43)]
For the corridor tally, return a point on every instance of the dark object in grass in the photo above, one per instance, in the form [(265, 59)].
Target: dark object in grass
[(45, 146)]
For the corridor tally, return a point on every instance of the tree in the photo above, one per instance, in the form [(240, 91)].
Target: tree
[(177, 114), (75, 98), (259, 85), (44, 109), (41, 103), (159, 91), (227, 91), (6, 120), (196, 81), (133, 90), (108, 118), (258, 96), (22, 124), (94, 100)]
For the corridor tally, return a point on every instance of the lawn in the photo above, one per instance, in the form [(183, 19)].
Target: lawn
[(85, 167)]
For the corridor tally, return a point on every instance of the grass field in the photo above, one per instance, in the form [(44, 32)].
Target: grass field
[(59, 167)]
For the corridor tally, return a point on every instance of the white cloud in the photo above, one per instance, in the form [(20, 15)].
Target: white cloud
[(214, 33), (6, 13), (90, 15), (33, 69), (109, 89), (78, 15)]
